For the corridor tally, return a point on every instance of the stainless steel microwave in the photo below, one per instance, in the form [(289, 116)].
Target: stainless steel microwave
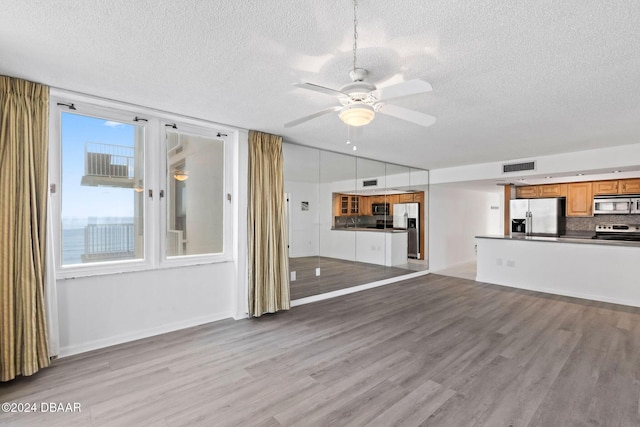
[(616, 205), (380, 208)]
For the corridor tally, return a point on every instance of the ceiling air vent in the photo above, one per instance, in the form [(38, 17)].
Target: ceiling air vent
[(518, 167), (370, 183)]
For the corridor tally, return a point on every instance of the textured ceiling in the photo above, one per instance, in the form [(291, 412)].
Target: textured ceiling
[(510, 79)]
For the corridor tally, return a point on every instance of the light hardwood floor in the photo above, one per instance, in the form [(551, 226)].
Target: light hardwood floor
[(436, 350)]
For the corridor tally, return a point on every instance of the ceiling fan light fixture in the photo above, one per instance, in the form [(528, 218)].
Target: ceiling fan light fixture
[(357, 114), (180, 175)]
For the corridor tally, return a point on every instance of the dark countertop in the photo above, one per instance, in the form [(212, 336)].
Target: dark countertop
[(375, 230), (580, 239)]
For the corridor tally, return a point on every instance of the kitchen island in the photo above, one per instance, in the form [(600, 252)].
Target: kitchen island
[(386, 246), (601, 270)]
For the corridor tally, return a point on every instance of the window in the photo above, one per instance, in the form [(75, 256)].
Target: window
[(102, 208), (122, 200), (195, 194)]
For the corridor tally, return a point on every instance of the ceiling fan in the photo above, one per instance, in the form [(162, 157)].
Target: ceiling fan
[(360, 100)]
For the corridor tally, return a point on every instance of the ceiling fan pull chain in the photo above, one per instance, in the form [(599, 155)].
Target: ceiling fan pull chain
[(355, 32)]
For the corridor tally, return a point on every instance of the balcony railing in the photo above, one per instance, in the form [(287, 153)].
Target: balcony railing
[(116, 161), (108, 164), (108, 241)]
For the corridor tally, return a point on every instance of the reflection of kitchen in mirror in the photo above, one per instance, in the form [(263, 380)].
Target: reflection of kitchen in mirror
[(341, 225)]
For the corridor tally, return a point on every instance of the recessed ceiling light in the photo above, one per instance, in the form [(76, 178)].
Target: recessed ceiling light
[(616, 171), (547, 177), (579, 174)]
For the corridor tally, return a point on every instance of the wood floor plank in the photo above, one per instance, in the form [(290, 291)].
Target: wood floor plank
[(435, 350), (416, 407)]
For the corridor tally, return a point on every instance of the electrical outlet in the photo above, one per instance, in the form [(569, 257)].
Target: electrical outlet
[(293, 276), (498, 261), (511, 263)]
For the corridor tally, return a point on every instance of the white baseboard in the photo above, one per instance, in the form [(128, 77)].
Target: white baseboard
[(140, 334)]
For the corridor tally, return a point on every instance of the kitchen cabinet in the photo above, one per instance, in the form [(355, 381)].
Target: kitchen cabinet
[(552, 190), (580, 199), (605, 187), (618, 186), (392, 199), (346, 204), (354, 205), (365, 205), (545, 190), (337, 211), (527, 192), (405, 198), (411, 197), (629, 186)]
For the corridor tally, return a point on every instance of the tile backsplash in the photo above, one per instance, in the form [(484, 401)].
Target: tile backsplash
[(589, 223)]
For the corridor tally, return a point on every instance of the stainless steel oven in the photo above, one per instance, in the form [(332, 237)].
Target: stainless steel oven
[(626, 232)]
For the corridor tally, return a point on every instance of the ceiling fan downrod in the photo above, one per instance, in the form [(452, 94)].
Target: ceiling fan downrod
[(355, 34)]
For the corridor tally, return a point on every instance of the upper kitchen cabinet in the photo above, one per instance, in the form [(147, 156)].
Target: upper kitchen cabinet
[(580, 199), (406, 198), (605, 187), (546, 190), (616, 186), (552, 190), (527, 192), (345, 204), (393, 199), (411, 197), (354, 205), (336, 203), (629, 186)]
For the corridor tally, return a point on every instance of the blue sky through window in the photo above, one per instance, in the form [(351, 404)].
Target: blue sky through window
[(81, 202)]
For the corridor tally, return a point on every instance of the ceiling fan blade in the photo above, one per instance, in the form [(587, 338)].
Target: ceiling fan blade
[(408, 115), (312, 116), (410, 87), (318, 88)]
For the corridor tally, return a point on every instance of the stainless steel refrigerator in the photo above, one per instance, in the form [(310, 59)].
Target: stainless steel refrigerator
[(537, 217), (406, 216)]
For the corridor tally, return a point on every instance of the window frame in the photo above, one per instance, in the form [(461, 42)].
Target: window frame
[(155, 180), (196, 130)]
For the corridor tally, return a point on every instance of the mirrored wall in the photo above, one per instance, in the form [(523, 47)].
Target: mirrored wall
[(352, 221)]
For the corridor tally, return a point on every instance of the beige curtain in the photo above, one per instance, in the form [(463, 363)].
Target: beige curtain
[(24, 113), (268, 258)]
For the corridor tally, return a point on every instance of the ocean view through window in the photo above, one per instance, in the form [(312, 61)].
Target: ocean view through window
[(102, 208)]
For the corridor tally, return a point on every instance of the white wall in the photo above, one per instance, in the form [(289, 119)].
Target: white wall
[(456, 216), (303, 225), (582, 270), (99, 311), (591, 161)]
